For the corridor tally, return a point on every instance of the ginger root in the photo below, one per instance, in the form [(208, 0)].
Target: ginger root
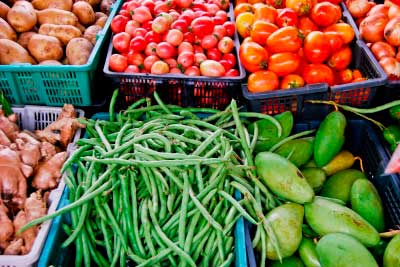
[(36, 205), (28, 235), (7, 228), (8, 125), (47, 150), (14, 248), (48, 173)]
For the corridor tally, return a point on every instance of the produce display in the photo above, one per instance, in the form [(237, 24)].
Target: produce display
[(30, 168), (50, 32), (293, 43), (379, 28), (177, 37)]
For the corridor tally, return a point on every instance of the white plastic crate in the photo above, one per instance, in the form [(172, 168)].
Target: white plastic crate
[(37, 118)]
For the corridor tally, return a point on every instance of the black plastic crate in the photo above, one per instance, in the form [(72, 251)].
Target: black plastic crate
[(361, 140), (180, 89)]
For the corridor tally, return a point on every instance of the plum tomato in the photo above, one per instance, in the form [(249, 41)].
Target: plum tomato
[(262, 80), (211, 68), (318, 73)]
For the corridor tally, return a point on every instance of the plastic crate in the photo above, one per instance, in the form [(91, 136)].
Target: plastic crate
[(55, 85), (179, 89), (361, 140), (37, 118)]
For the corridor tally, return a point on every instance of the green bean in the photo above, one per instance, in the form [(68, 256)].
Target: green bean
[(204, 212), (228, 261), (170, 202), (208, 250), (181, 138), (199, 177), (112, 104), (161, 103), (187, 128), (73, 157), (102, 137), (163, 246), (191, 229), (183, 211), (106, 239), (200, 245), (263, 248), (146, 226), (238, 207), (116, 252), (230, 215), (260, 116), (210, 127), (154, 260), (207, 142), (164, 155), (86, 252), (115, 226), (79, 226), (188, 114), (122, 259), (135, 214)]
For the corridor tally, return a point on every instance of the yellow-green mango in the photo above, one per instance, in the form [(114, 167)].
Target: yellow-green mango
[(325, 216), (285, 221), (298, 151), (391, 257), (310, 164), (283, 178), (342, 250), (315, 177), (329, 138), (308, 254), (341, 161), (339, 185), (287, 262), (365, 200)]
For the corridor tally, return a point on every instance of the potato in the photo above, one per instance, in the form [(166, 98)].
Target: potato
[(11, 52), (80, 27), (105, 6), (51, 62), (22, 16), (6, 31), (60, 4), (101, 21), (44, 47), (91, 33), (84, 12), (3, 10), (56, 16), (99, 15), (78, 51), (64, 33), (93, 3), (23, 38), (65, 61)]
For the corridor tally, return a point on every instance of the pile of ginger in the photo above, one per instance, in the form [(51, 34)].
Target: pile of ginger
[(30, 163)]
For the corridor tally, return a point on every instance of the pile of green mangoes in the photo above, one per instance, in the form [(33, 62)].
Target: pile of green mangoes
[(329, 214)]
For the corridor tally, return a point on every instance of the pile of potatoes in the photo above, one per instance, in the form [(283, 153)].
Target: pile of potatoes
[(50, 32)]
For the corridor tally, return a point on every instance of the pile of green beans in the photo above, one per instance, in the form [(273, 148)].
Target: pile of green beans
[(154, 186)]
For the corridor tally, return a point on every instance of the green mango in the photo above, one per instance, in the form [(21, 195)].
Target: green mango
[(310, 164), (325, 216), (342, 250), (298, 151), (395, 112), (288, 262), (329, 138), (379, 249), (308, 254), (308, 232), (283, 178), (341, 161), (365, 200), (285, 221), (315, 177), (268, 133), (339, 185), (391, 257)]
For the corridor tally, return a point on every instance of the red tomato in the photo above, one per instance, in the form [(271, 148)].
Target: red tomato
[(131, 27), (232, 73), (229, 28), (187, 15), (262, 80), (165, 50), (222, 15), (287, 17), (141, 14), (140, 32), (188, 37), (227, 66), (183, 3), (198, 49), (231, 58), (174, 37), (261, 30), (225, 45), (175, 71), (168, 16), (265, 12), (160, 7), (344, 29), (172, 63), (192, 71), (151, 36), (121, 41), (125, 13), (306, 25), (147, 25), (325, 13), (160, 24), (344, 76), (301, 7), (292, 81), (253, 56), (209, 41), (149, 4), (185, 46), (283, 63), (316, 47), (318, 73), (202, 26), (276, 3), (135, 58), (198, 5), (186, 59), (137, 43), (150, 49), (219, 31), (132, 69), (159, 67), (335, 40), (171, 4), (118, 23), (286, 39), (118, 63), (222, 4), (131, 6), (211, 68), (200, 13), (148, 62), (243, 7), (244, 22), (340, 59), (198, 58), (174, 14), (214, 54), (180, 24)]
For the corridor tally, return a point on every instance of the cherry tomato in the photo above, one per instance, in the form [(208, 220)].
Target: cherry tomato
[(344, 29), (168, 16), (141, 14), (306, 25), (316, 47), (340, 59), (262, 80), (185, 46), (292, 81), (287, 17), (118, 23), (286, 39), (214, 54), (202, 26), (180, 24), (149, 61), (135, 58), (174, 37), (132, 69), (344, 76), (283, 63), (121, 41), (147, 25), (159, 67), (266, 13), (244, 23), (209, 41), (198, 49), (301, 7), (211, 68), (165, 50), (192, 71), (253, 56), (325, 13), (222, 4), (125, 13), (229, 28), (318, 73), (137, 43), (171, 4), (225, 45), (118, 63), (197, 5), (261, 30)]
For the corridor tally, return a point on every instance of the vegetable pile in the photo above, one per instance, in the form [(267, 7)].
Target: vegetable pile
[(292, 43), (48, 32), (379, 27), (30, 163), (194, 38)]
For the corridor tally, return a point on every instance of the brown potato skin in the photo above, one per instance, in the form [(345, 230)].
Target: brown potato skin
[(60, 4), (64, 33), (56, 16), (93, 3), (4, 8), (23, 38), (91, 33), (11, 52), (80, 27), (6, 31), (22, 16), (105, 6), (78, 51), (51, 62), (44, 47), (84, 12), (101, 21)]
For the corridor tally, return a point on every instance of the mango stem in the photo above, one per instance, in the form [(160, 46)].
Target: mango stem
[(361, 163), (389, 234)]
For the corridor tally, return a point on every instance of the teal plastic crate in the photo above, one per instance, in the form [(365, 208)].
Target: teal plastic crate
[(55, 85)]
